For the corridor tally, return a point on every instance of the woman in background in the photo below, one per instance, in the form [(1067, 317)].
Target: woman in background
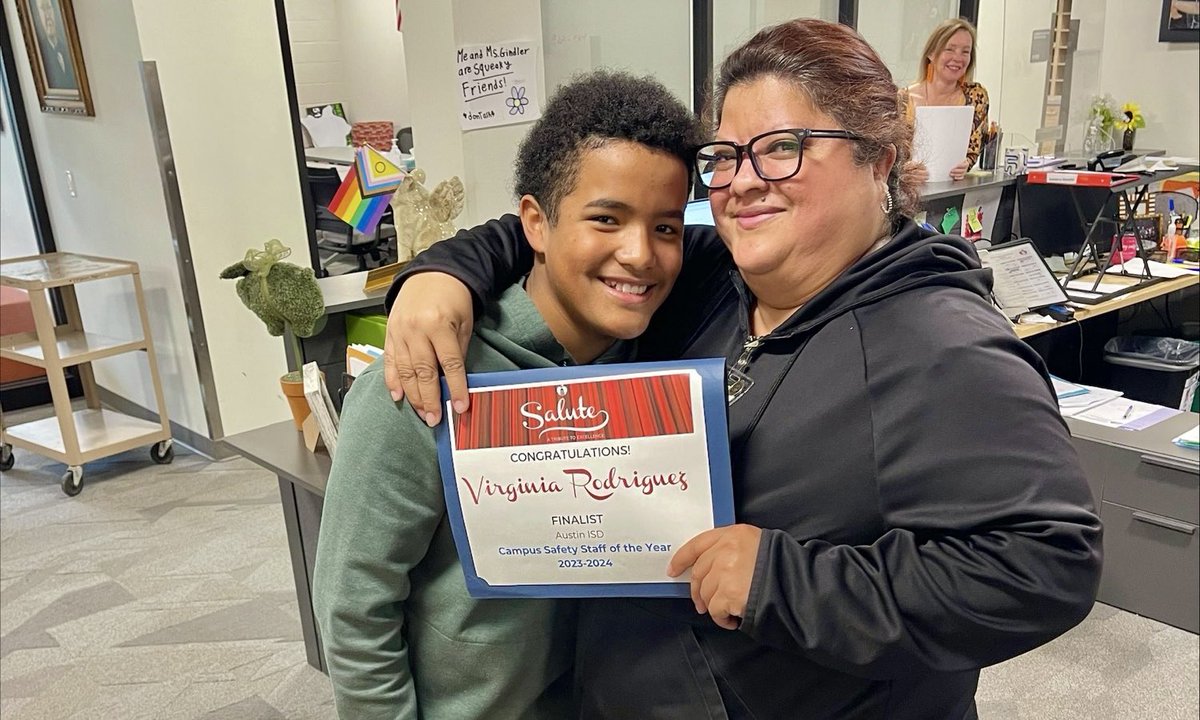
[(945, 78)]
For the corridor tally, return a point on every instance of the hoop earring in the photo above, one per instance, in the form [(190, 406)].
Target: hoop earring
[(887, 204)]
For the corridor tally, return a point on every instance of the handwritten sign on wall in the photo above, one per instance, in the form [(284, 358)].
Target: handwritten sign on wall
[(498, 84)]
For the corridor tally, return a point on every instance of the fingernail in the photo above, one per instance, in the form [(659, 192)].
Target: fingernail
[(460, 406), (396, 396), (430, 420)]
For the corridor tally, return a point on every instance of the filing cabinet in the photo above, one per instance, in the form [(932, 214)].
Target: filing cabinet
[(1147, 491)]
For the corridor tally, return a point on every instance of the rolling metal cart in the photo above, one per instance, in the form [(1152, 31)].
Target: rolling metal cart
[(79, 436)]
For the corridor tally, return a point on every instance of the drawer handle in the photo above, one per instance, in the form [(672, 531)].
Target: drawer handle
[(1162, 522), (1170, 463)]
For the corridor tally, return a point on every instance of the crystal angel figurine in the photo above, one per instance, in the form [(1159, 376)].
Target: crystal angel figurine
[(424, 217)]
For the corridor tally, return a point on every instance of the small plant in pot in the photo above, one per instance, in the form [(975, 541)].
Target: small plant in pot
[(284, 296)]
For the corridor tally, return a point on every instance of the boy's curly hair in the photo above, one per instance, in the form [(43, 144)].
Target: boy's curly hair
[(589, 112)]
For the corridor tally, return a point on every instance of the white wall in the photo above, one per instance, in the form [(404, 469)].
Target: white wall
[(118, 210), (1164, 78), (898, 31), (17, 236), (237, 175), (1086, 71), (482, 158), (1117, 53), (314, 32), (1017, 102), (349, 51), (582, 36), (376, 81), (736, 21)]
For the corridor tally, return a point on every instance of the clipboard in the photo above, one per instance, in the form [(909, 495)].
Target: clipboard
[(1022, 281)]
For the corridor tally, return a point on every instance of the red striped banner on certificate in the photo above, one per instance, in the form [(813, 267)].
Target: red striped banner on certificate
[(577, 411)]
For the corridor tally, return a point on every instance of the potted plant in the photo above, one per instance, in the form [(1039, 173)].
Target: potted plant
[(1131, 119), (286, 297)]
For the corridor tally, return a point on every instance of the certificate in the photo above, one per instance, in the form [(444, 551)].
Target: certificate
[(584, 481)]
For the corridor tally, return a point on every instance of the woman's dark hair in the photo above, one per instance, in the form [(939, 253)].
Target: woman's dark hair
[(843, 77), (589, 112)]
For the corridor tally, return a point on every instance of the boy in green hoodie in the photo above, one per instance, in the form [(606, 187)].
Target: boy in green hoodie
[(602, 179)]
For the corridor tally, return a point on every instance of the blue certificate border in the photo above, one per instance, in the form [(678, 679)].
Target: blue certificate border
[(712, 391)]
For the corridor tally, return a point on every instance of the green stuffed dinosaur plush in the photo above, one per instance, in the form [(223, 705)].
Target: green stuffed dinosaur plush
[(279, 293)]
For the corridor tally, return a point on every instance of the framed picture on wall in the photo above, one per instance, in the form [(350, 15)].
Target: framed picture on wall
[(55, 58), (1180, 21)]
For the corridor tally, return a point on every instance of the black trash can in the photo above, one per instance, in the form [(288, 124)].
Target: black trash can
[(1156, 370)]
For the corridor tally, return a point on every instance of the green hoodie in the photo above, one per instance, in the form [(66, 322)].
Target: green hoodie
[(402, 637)]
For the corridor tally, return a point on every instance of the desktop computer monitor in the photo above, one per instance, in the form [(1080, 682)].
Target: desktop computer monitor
[(698, 212), (1049, 218)]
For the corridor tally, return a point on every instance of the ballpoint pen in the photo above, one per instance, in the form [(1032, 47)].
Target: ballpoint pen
[(1128, 410)]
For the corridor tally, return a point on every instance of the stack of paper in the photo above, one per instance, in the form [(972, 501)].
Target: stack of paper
[(1157, 269), (1125, 414), (359, 356), (1190, 439), (1156, 163), (1074, 399), (1064, 389)]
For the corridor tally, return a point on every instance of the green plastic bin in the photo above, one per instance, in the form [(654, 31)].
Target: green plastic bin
[(366, 329)]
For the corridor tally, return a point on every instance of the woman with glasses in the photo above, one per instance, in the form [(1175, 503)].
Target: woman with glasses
[(910, 506), (946, 77)]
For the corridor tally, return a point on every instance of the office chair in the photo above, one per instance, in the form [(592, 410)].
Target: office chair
[(323, 184), (404, 140)]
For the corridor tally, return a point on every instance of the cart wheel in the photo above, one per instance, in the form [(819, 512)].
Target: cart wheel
[(72, 481), (7, 459), (162, 452)]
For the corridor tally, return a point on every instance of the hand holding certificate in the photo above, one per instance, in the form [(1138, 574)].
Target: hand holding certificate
[(578, 482)]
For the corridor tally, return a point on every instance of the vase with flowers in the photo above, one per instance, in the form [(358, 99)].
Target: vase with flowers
[(1102, 118), (1129, 121)]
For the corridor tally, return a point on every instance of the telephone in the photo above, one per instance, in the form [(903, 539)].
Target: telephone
[(1107, 161)]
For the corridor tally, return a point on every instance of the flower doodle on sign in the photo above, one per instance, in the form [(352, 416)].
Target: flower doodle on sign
[(518, 101), (563, 417)]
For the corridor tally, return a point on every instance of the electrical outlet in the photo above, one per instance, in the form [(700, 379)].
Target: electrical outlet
[(71, 184)]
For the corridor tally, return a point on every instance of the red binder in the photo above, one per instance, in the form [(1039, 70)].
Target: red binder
[(1077, 177)]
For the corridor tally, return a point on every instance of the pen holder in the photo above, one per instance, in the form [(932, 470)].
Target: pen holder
[(988, 153)]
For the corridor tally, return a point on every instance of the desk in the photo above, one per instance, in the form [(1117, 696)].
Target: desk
[(1149, 292), (973, 181), (302, 476), (343, 155), (1147, 491)]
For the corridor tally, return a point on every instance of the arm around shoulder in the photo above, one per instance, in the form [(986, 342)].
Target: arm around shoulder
[(486, 258)]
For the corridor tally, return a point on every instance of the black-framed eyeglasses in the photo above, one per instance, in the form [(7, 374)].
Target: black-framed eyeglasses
[(775, 155)]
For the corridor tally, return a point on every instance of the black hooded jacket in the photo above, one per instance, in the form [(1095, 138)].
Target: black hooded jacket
[(924, 512)]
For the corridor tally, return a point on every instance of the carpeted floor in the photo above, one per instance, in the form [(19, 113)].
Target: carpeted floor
[(166, 592)]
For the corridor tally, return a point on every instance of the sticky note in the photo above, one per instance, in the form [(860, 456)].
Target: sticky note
[(950, 220), (975, 219)]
